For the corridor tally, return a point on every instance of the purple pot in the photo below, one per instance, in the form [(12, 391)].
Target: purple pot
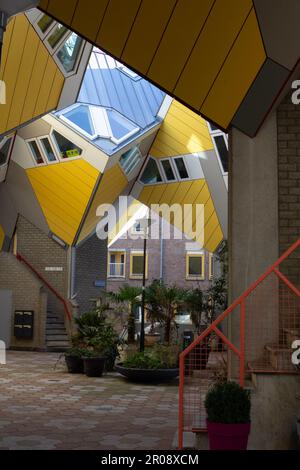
[(228, 436)]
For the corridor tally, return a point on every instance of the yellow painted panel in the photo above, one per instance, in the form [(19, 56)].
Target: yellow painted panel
[(132, 209), (63, 191), (116, 25), (45, 88), (88, 17), (147, 32), (2, 237), (178, 41), (6, 45), (43, 4), (215, 240), (23, 78), (12, 66), (182, 132), (212, 47), (62, 8), (111, 185), (145, 194), (236, 73), (56, 90), (35, 83)]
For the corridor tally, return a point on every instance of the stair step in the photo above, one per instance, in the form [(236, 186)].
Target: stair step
[(55, 343), (55, 331), (54, 322), (59, 337)]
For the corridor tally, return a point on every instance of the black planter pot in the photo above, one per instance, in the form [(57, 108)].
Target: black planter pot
[(147, 375), (74, 364), (93, 366)]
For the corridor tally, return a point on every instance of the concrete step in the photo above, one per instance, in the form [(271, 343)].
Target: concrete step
[(55, 331), (56, 321), (59, 337), (58, 343)]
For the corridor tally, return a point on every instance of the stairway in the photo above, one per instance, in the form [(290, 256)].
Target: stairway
[(56, 336)]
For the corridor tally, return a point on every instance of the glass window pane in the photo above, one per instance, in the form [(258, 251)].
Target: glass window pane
[(137, 265), (48, 150), (120, 126), (36, 152), (82, 118), (181, 168), (4, 152), (66, 148), (151, 173), (44, 23), (57, 35), (222, 151), (213, 127), (130, 159), (168, 170), (195, 265), (68, 53)]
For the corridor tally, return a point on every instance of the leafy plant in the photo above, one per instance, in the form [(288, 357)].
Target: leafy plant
[(194, 301), (168, 355), (130, 296), (163, 304), (160, 356), (228, 403), (75, 352), (142, 360)]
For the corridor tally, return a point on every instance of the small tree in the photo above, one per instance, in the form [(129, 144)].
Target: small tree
[(194, 300), (163, 304), (130, 296)]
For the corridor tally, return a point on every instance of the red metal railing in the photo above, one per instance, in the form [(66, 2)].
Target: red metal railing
[(47, 284), (264, 321)]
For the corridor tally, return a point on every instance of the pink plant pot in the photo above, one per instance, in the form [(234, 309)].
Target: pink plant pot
[(228, 436)]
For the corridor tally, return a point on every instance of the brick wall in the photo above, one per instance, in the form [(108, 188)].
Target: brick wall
[(91, 262), (27, 295), (288, 131)]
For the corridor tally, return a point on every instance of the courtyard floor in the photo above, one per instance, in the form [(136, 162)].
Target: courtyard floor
[(43, 407)]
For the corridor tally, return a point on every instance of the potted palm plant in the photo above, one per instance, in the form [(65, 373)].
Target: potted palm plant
[(228, 416), (74, 361), (130, 296)]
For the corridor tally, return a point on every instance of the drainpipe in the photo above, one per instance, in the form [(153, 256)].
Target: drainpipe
[(161, 274)]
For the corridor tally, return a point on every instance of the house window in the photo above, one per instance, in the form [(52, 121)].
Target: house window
[(181, 168), (151, 173), (195, 266), (66, 148), (4, 150), (57, 34), (80, 116), (116, 264), (121, 127), (128, 72), (44, 23), (137, 265), (137, 228), (69, 52), (211, 266), (48, 150), (221, 147), (130, 159), (36, 153), (168, 170)]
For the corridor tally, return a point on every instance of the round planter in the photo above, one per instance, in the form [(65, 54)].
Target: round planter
[(228, 436), (93, 366), (147, 375), (152, 339), (74, 364)]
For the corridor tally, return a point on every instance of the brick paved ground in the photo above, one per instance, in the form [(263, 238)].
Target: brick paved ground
[(46, 408)]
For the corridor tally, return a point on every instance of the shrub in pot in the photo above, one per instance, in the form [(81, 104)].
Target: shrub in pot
[(93, 363), (228, 416), (74, 361)]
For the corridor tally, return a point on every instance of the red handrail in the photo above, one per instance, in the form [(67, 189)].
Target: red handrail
[(240, 301), (47, 284)]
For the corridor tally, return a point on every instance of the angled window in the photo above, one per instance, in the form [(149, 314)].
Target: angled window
[(121, 127), (80, 118), (212, 127), (57, 34), (151, 173), (221, 147), (4, 150), (195, 266), (44, 23), (168, 170), (66, 148), (130, 159), (48, 149), (69, 52), (181, 168), (36, 153)]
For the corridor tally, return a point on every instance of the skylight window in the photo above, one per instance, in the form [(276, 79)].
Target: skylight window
[(128, 72), (96, 121)]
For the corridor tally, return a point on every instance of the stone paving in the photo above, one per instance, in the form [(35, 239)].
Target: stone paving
[(44, 407)]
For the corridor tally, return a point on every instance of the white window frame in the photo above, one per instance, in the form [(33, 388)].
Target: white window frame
[(113, 252), (159, 170), (128, 135), (41, 152), (214, 133), (128, 72), (73, 125), (44, 155), (173, 169), (134, 168), (52, 138), (186, 167)]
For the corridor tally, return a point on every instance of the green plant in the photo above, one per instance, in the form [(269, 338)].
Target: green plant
[(168, 355), (161, 356), (228, 403), (142, 360), (194, 302), (75, 352), (130, 296), (163, 304)]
